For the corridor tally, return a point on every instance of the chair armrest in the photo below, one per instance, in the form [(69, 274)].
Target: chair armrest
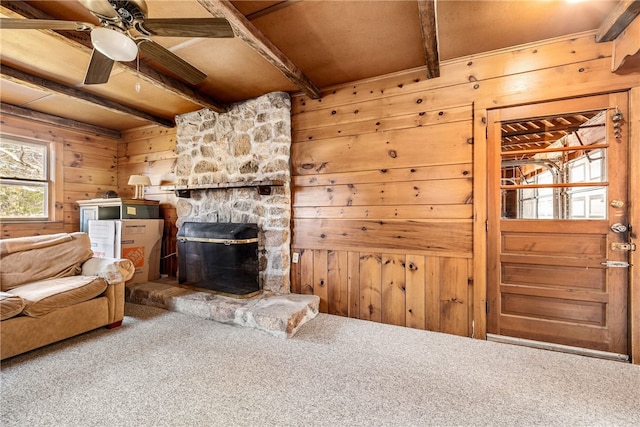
[(113, 270)]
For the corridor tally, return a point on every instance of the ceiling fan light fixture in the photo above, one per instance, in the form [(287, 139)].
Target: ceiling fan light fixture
[(114, 44)]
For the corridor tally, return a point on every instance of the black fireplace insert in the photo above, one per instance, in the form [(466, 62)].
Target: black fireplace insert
[(221, 257)]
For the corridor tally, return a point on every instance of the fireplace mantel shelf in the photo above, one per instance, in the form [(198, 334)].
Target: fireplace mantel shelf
[(263, 187)]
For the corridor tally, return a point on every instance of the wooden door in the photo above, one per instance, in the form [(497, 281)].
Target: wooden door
[(557, 261)]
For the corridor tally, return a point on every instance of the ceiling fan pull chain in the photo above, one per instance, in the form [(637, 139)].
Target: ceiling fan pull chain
[(138, 72)]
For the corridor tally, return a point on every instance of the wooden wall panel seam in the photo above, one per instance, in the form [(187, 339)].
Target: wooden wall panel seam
[(422, 173), (376, 124), (386, 108)]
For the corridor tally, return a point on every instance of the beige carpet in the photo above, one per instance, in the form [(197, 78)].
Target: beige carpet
[(164, 368)]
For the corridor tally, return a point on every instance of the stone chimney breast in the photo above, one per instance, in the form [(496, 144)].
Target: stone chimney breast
[(249, 143)]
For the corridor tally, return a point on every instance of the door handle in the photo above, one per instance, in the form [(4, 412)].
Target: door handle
[(618, 227)]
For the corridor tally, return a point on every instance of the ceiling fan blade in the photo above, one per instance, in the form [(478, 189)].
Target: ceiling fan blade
[(187, 27), (172, 62), (99, 69), (43, 24), (101, 8)]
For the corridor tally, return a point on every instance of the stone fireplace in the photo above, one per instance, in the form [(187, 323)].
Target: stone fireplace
[(228, 162)]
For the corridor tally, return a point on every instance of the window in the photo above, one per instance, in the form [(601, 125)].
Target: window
[(555, 167), (25, 180)]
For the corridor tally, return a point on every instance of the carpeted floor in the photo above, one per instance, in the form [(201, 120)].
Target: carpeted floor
[(164, 368)]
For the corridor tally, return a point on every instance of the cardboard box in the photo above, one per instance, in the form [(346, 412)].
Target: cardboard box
[(139, 240)]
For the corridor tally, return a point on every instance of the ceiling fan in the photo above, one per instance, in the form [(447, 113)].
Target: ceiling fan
[(124, 30)]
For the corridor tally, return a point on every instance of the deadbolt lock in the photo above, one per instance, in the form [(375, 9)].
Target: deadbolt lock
[(626, 247), (617, 203)]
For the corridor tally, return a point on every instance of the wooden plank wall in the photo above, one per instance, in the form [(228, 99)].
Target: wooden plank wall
[(389, 178), (88, 164), (382, 208), (149, 151)]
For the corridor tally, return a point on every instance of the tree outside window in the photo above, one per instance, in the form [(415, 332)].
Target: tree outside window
[(24, 180)]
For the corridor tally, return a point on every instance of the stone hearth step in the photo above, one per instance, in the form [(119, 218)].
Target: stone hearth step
[(279, 315)]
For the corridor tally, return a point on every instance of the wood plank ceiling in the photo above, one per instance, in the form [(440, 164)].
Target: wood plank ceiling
[(292, 46)]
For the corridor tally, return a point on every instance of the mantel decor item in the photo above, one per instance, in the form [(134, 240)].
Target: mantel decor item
[(139, 181)]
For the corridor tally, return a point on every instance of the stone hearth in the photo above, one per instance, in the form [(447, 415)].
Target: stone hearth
[(278, 315)]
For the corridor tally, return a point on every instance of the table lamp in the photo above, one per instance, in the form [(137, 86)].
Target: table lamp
[(139, 181)]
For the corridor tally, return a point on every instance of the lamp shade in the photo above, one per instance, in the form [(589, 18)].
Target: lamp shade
[(114, 44), (139, 180)]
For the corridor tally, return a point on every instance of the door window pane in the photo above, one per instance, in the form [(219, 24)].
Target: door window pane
[(555, 167)]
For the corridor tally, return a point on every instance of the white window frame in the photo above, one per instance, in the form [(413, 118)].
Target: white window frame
[(53, 179)]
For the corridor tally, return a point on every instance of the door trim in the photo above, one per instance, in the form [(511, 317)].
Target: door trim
[(634, 218)]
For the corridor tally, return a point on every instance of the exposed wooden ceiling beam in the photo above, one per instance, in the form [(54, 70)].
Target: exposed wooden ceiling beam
[(262, 45), (146, 72), (31, 115), (427, 13), (626, 50), (619, 19), (26, 79)]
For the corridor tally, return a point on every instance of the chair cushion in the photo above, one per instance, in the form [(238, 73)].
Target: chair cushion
[(10, 305), (45, 296)]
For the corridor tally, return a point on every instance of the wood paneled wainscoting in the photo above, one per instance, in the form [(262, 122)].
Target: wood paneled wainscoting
[(383, 214), (418, 291)]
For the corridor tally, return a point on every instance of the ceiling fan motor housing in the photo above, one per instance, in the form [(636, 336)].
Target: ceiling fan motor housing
[(130, 10)]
